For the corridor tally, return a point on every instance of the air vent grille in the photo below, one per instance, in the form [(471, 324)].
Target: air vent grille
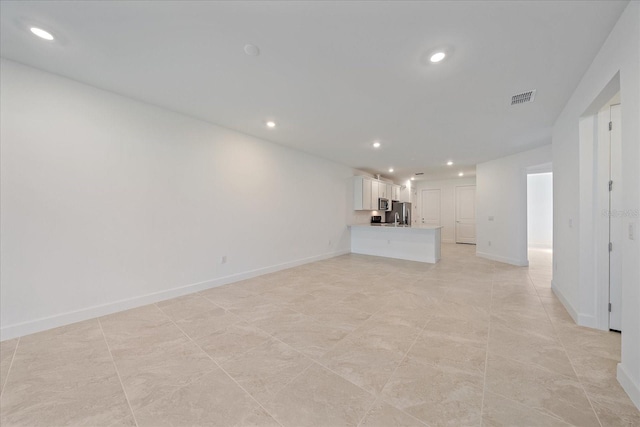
[(419, 173), (523, 98)]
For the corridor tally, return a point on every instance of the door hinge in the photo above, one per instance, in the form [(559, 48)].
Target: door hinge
[(610, 125), (609, 307), (610, 185), (610, 246)]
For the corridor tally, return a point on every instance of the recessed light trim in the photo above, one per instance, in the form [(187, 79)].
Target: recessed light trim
[(376, 144), (413, 178), (390, 170), (251, 50), (271, 124), (437, 57), (46, 35), (449, 163), (461, 174)]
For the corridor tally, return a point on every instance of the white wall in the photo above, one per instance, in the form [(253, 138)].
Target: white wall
[(540, 210), (447, 203), (573, 165), (501, 194), (109, 203)]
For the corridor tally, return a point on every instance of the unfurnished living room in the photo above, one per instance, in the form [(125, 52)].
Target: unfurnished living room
[(319, 213)]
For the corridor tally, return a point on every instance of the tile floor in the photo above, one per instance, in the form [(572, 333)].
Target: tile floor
[(350, 341)]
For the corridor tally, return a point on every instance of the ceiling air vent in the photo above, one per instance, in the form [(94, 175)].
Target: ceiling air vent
[(523, 98), (419, 173)]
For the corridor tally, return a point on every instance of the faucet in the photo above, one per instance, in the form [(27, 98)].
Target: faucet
[(395, 222)]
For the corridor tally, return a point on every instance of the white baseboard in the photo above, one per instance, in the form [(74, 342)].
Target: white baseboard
[(582, 319), (629, 385), (62, 319), (506, 260), (563, 299)]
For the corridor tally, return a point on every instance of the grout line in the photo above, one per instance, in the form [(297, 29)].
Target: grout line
[(124, 391), (13, 356), (220, 367), (486, 361), (393, 373), (564, 348), (569, 358)]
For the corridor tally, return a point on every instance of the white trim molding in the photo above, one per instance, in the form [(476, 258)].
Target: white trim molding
[(512, 261), (629, 386), (567, 305), (43, 324)]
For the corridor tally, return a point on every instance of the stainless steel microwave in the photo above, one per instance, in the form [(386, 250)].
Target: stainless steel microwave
[(383, 204)]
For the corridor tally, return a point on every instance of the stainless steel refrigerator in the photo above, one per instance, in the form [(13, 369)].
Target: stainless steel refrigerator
[(403, 209)]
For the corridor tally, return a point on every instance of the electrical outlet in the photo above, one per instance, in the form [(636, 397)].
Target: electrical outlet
[(632, 231), (491, 218), (223, 259), (570, 222), (329, 242), (489, 244)]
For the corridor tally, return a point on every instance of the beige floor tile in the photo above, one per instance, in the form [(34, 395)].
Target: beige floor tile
[(437, 395), (232, 341), (500, 412), (450, 354), (225, 296), (64, 376), (384, 415), (472, 331), (266, 368), (99, 402), (413, 335), (556, 395), (213, 399), (7, 349), (149, 376), (369, 363), (203, 324), (187, 306), (302, 332), (526, 347), (612, 405), (342, 316), (319, 397)]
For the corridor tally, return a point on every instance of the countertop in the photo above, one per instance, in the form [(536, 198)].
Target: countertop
[(391, 226)]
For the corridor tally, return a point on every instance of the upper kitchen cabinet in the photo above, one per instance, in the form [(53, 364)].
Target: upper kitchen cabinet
[(364, 198), (367, 191), (395, 192)]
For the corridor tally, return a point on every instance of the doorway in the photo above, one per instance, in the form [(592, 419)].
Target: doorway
[(430, 209), (466, 214), (540, 226), (615, 217)]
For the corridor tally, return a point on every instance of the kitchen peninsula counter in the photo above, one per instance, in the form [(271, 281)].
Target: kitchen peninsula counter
[(414, 243)]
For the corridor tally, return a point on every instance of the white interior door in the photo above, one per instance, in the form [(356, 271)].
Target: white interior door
[(430, 209), (615, 221), (466, 214)]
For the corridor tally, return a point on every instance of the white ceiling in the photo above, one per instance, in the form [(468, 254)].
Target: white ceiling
[(335, 76)]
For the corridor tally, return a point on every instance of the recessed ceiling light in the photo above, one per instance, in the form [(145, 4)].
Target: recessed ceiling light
[(271, 124), (390, 169), (461, 174), (376, 144), (251, 50), (449, 163), (413, 178), (437, 57), (41, 33)]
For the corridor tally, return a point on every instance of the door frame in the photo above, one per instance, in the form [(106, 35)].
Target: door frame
[(455, 215)]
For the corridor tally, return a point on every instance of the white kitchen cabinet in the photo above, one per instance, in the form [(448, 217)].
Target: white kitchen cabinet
[(375, 191), (395, 192), (364, 198), (367, 191)]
